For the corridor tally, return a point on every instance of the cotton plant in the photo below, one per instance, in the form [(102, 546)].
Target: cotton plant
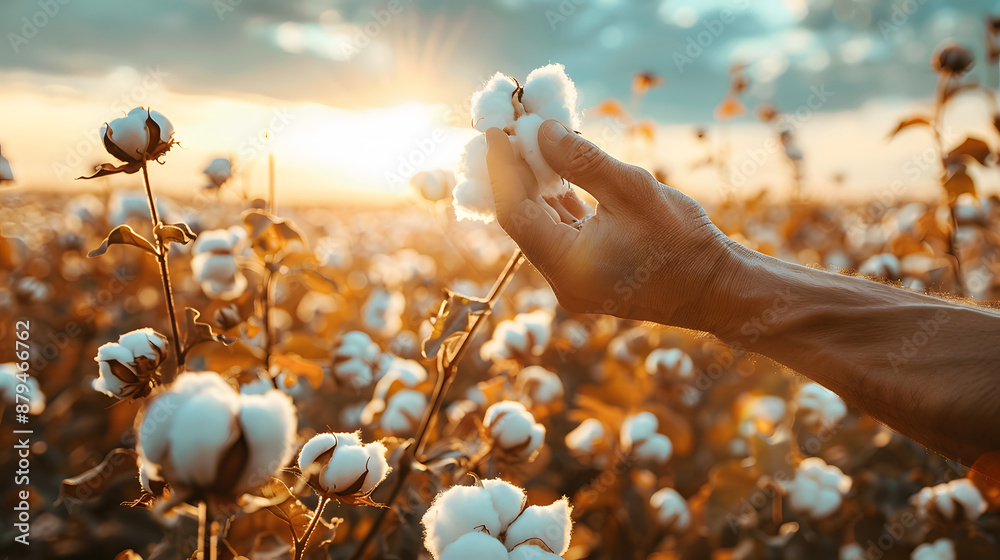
[(639, 438), (955, 500), (433, 185), (9, 382), (129, 368), (520, 338), (819, 407), (213, 262), (210, 443), (671, 510), (356, 360), (817, 490), (399, 400), (548, 93), (471, 521), (510, 428), (339, 466)]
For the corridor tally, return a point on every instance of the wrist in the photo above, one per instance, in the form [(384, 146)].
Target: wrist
[(736, 291)]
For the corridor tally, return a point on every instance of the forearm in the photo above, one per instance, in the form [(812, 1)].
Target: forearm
[(926, 367)]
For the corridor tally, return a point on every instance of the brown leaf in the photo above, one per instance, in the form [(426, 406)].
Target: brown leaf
[(972, 148), (906, 123), (175, 233), (270, 234), (119, 462), (123, 235), (317, 281), (959, 183), (453, 321), (106, 169), (198, 332), (299, 367)]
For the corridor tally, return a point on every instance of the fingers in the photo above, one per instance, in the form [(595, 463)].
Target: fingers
[(529, 222), (586, 165)]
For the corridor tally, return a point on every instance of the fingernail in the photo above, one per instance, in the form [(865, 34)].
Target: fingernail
[(554, 131)]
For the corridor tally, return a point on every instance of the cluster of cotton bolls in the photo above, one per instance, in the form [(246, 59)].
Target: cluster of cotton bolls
[(128, 368), (490, 521), (951, 501), (193, 435), (819, 406), (512, 429), (640, 439), (399, 399), (341, 466), (526, 335), (548, 93), (817, 489), (670, 364), (214, 263), (9, 382)]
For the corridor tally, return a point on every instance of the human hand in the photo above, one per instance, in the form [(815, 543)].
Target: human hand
[(648, 253)]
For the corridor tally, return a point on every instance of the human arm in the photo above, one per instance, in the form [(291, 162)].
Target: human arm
[(651, 253)]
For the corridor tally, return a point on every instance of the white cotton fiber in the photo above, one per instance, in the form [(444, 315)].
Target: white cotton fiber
[(475, 545), (455, 512), (551, 524), (550, 184), (269, 424), (508, 500), (316, 446), (550, 94), (491, 106), (203, 427)]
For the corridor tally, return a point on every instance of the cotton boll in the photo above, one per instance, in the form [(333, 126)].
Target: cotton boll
[(884, 265), (316, 446), (638, 427), (817, 489), (474, 200), (8, 389), (5, 172), (820, 406), (455, 512), (433, 185), (670, 363), (382, 313), (402, 412), (941, 549), (128, 134), (128, 368), (145, 342), (954, 500), (513, 429), (586, 437), (551, 94), (671, 509), (269, 424), (219, 171), (539, 384), (550, 183), (509, 339), (852, 551), (492, 105), (551, 524), (508, 500), (640, 439), (355, 359), (657, 448), (474, 545), (347, 466), (531, 552)]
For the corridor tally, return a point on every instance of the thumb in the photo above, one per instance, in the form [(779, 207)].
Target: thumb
[(584, 164)]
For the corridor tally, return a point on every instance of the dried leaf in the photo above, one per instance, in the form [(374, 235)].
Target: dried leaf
[(270, 234), (906, 123), (175, 233), (959, 183), (123, 235), (452, 323), (972, 148), (119, 462), (317, 281), (299, 367), (198, 332)]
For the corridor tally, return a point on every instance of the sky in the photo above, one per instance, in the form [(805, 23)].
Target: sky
[(352, 97)]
